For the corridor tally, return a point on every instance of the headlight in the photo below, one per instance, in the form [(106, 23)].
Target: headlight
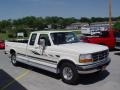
[(85, 58)]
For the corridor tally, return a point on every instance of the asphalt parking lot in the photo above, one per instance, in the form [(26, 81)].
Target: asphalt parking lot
[(25, 77)]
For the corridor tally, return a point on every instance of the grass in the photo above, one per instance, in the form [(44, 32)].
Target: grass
[(77, 32), (3, 36)]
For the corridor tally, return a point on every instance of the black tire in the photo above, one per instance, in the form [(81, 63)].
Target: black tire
[(13, 59), (65, 75), (98, 72)]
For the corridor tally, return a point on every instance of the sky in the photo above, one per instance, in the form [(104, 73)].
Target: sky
[(14, 9)]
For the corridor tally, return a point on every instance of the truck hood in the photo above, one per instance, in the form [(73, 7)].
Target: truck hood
[(81, 48)]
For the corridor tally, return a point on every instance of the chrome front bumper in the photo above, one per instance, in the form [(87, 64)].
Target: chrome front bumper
[(92, 68)]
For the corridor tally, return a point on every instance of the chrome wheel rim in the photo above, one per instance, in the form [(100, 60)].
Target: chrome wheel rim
[(67, 73), (13, 59)]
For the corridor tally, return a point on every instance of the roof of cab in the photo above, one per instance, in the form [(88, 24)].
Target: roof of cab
[(47, 32)]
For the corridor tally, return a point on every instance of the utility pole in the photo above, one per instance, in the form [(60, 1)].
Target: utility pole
[(110, 14)]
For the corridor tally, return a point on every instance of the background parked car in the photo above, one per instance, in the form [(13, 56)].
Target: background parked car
[(117, 37), (2, 44), (103, 37)]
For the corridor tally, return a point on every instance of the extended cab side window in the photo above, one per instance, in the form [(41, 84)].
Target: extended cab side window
[(46, 38), (32, 40)]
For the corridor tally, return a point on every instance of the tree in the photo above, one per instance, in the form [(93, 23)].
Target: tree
[(4, 24), (85, 20), (116, 26), (40, 23)]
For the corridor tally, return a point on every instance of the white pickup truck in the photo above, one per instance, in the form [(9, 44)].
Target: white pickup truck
[(60, 52)]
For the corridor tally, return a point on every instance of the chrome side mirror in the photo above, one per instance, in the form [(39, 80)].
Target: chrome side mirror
[(42, 45)]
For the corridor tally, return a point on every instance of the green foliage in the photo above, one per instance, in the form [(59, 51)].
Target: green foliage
[(13, 32), (32, 23), (116, 26), (3, 36), (85, 20), (5, 23), (77, 32)]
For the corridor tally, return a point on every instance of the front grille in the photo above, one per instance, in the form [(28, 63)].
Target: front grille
[(100, 55)]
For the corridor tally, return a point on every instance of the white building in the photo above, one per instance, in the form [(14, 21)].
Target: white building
[(77, 25)]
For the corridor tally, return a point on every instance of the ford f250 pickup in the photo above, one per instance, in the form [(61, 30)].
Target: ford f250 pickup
[(60, 52)]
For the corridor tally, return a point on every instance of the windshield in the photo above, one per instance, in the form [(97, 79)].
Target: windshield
[(64, 38)]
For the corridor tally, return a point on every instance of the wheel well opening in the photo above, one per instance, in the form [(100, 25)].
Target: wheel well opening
[(12, 51), (61, 62)]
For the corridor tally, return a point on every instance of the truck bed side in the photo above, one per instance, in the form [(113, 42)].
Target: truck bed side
[(16, 46)]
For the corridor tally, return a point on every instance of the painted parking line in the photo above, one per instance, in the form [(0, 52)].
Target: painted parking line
[(25, 72)]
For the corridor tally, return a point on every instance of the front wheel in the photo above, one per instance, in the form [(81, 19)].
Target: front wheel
[(69, 73), (13, 59)]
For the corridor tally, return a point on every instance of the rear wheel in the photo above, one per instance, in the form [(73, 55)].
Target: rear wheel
[(13, 59), (69, 73)]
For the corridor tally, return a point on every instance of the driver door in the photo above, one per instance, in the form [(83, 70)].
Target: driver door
[(41, 53)]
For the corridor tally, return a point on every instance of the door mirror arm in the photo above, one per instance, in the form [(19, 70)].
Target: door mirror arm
[(42, 45)]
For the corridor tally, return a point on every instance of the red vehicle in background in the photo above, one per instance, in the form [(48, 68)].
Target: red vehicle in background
[(2, 44), (106, 38)]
